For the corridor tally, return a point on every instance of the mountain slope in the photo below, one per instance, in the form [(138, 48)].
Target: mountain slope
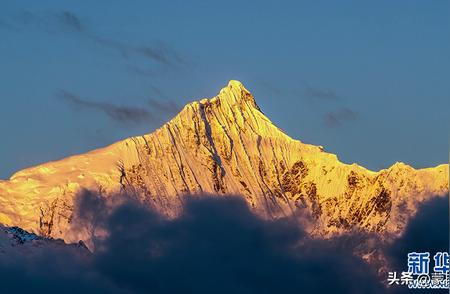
[(223, 145)]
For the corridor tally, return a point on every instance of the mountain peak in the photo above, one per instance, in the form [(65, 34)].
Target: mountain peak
[(222, 145), (233, 98), (235, 83), (236, 93)]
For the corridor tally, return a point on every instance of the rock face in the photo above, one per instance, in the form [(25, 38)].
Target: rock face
[(223, 145)]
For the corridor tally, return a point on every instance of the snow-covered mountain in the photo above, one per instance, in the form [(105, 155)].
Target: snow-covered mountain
[(15, 241), (223, 145)]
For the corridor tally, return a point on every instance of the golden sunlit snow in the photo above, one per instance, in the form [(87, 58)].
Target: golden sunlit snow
[(223, 145)]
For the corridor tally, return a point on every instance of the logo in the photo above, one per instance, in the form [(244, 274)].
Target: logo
[(419, 276)]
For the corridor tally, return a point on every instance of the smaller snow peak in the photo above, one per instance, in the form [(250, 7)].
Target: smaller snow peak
[(236, 93), (400, 165), (21, 235)]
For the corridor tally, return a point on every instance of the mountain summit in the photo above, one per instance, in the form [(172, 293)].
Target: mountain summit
[(223, 145)]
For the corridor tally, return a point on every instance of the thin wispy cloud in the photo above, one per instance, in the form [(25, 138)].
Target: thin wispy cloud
[(274, 89), (66, 21), (339, 117), (321, 94), (167, 107), (120, 114), (158, 51), (145, 72), (162, 53), (157, 91), (71, 21), (156, 113)]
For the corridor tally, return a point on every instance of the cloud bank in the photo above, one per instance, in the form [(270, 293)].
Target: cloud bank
[(217, 245)]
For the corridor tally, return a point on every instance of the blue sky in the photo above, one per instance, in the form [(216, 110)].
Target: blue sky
[(366, 80)]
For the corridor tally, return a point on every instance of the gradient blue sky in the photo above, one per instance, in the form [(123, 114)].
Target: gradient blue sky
[(368, 80)]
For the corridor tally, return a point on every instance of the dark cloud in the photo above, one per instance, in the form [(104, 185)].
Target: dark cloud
[(217, 245), (51, 269), (227, 250), (320, 94), (120, 114), (340, 116), (428, 231)]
